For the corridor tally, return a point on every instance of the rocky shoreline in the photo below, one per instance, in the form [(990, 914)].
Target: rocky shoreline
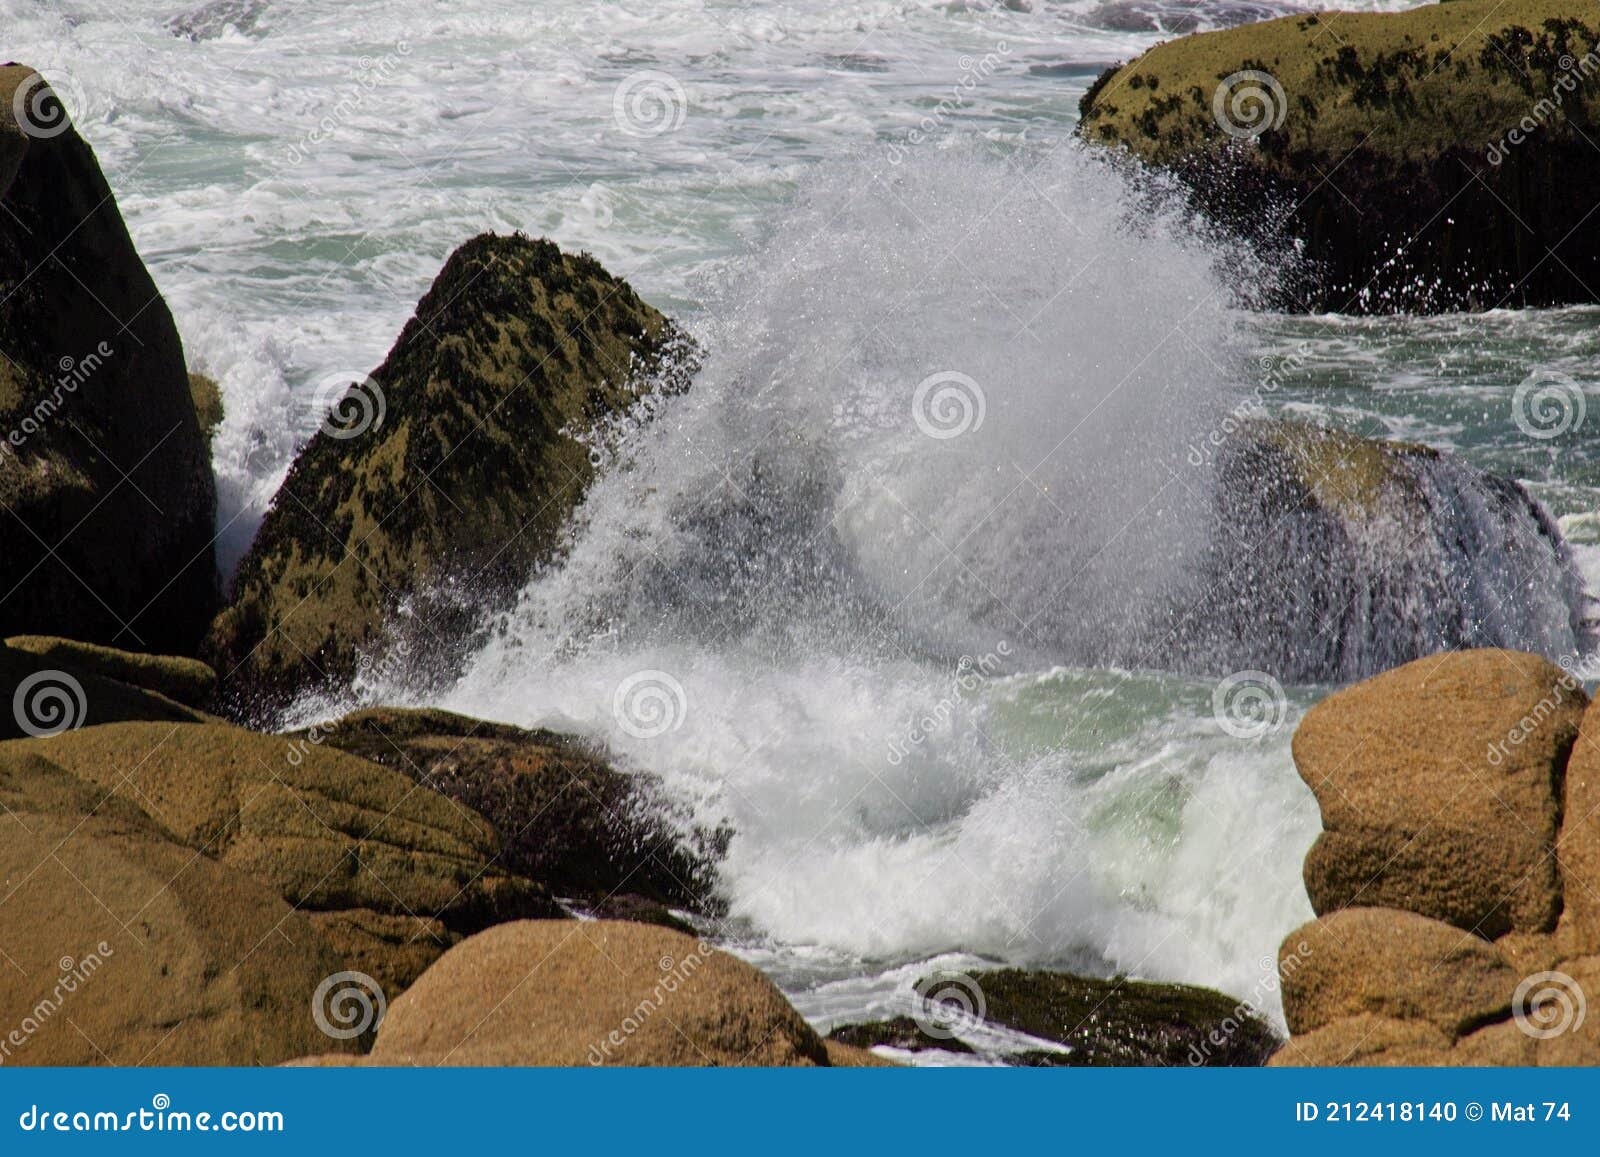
[(415, 887)]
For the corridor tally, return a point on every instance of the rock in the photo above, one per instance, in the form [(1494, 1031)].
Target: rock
[(124, 947), (49, 693), (441, 480), (1124, 1022), (1440, 789), (1395, 965), (393, 950), (565, 817), (1563, 1014), (1416, 553), (1430, 159), (900, 1032), (843, 1056), (1578, 848), (592, 993), (103, 466), (187, 681), (1366, 1039), (207, 398), (326, 831)]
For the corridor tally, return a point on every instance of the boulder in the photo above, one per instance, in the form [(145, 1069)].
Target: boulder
[(103, 466), (1430, 159), (1395, 965), (1415, 551), (1440, 785), (124, 947), (50, 692), (438, 482), (565, 816), (187, 681), (1366, 1039), (1120, 1021), (898, 1032), (1578, 848), (593, 993), (326, 831)]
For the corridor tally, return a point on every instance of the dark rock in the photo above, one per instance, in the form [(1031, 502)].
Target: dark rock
[(900, 1032), (103, 467)]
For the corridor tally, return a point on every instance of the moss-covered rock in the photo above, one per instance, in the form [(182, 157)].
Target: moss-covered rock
[(565, 816), (1429, 159), (456, 478), (207, 398), (103, 467), (122, 946), (41, 694), (187, 681), (1126, 1022)]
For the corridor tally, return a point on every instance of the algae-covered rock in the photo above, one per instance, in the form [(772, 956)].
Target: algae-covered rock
[(122, 946), (187, 681), (1126, 1022), (1433, 158), (69, 686), (441, 480), (103, 467), (565, 816)]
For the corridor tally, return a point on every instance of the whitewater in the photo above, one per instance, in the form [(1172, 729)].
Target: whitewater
[(883, 594)]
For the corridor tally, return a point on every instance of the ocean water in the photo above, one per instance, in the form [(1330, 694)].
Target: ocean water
[(956, 370)]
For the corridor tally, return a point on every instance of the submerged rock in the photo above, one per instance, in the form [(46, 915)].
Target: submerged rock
[(593, 993), (1429, 159), (437, 483), (1336, 557), (1126, 1022), (103, 466)]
